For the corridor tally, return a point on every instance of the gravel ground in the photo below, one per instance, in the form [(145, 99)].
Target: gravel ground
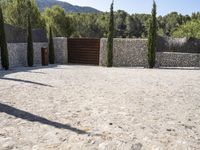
[(88, 108)]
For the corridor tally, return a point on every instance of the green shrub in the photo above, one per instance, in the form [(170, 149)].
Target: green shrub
[(190, 29), (152, 38), (30, 51), (109, 61), (51, 48), (3, 43)]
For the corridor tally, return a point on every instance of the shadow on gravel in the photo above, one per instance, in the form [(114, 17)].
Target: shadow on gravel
[(25, 69), (3, 73), (25, 81), (34, 118)]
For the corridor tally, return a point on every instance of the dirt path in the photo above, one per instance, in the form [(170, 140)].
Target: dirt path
[(87, 107)]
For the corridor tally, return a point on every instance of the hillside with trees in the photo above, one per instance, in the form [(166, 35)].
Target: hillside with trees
[(42, 4), (96, 24)]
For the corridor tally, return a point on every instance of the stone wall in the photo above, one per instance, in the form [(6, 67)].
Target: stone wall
[(18, 52), (126, 52), (172, 59), (133, 52), (60, 45)]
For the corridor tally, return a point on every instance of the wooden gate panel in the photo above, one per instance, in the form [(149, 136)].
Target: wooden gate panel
[(83, 51)]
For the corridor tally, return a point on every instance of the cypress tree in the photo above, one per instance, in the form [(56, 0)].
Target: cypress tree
[(3, 43), (51, 48), (30, 51), (109, 50), (152, 38)]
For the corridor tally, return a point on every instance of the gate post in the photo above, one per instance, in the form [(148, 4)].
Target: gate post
[(44, 56)]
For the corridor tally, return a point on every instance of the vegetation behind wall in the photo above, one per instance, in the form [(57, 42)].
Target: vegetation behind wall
[(182, 45), (39, 35), (51, 48), (93, 24), (3, 43), (30, 51)]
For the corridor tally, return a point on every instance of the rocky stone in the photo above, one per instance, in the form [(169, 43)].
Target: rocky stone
[(60, 45), (172, 59), (71, 106), (137, 146), (126, 52), (133, 53)]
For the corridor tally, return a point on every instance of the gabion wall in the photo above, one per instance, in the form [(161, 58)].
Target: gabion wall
[(126, 52), (133, 52), (18, 52)]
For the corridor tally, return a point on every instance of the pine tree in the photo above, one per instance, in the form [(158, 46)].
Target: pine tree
[(30, 51), (109, 61), (152, 38), (3, 43), (51, 48)]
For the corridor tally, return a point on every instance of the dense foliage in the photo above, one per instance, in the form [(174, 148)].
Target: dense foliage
[(51, 48), (30, 51), (152, 38), (109, 49), (190, 29), (16, 13), (60, 23), (90, 24), (3, 44)]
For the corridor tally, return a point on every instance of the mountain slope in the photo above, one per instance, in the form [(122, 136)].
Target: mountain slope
[(42, 4)]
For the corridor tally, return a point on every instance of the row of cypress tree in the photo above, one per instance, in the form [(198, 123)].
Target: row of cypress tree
[(30, 50), (151, 38), (3, 44), (109, 49)]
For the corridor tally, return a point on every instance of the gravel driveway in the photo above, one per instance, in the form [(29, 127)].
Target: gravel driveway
[(88, 108)]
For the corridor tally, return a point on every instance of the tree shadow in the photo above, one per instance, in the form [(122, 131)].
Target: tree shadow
[(34, 118), (25, 81), (25, 69), (37, 72), (3, 73)]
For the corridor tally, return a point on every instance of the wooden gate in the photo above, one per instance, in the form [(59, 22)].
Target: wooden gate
[(83, 51)]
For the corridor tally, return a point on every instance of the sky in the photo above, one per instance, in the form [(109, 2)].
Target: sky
[(143, 6)]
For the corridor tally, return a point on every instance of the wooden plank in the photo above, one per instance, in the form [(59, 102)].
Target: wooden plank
[(84, 61), (84, 50)]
